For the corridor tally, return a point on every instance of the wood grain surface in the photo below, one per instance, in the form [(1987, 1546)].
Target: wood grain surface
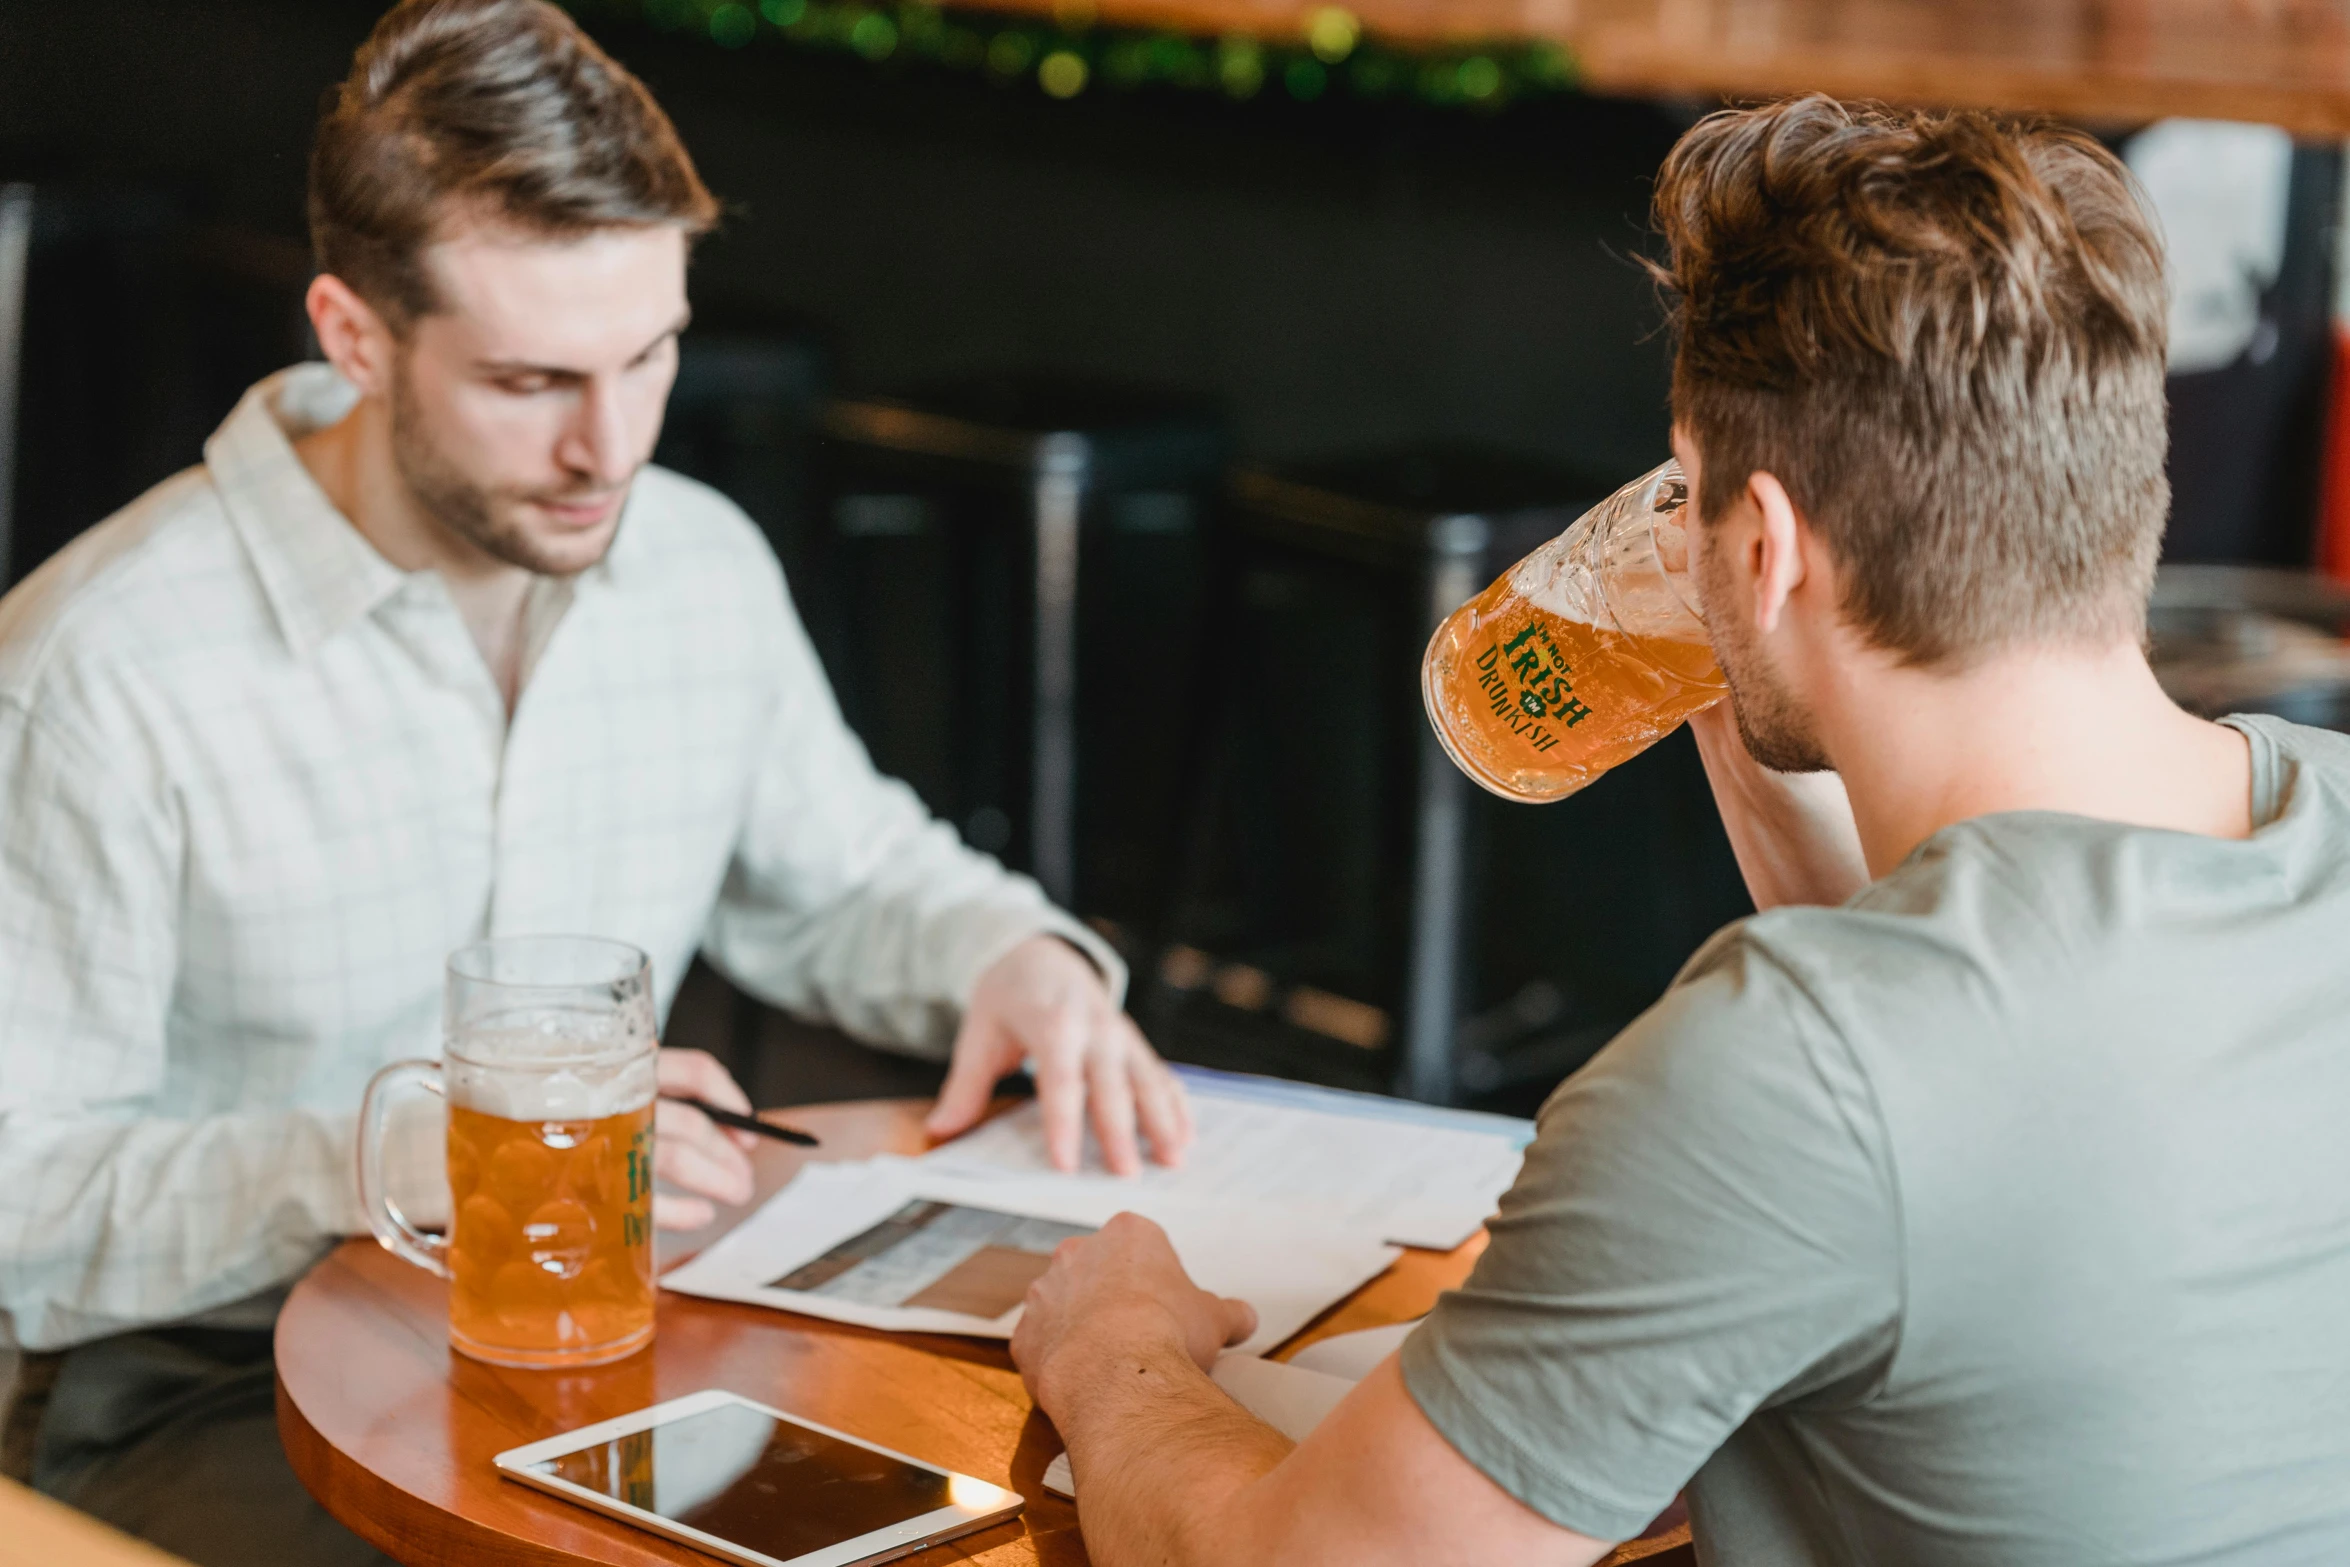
[(395, 1433), (2115, 61), (38, 1532)]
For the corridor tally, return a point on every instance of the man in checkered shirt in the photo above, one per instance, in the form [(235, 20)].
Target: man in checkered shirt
[(422, 652)]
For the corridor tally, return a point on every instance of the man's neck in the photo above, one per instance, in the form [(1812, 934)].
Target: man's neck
[(2086, 732), (353, 463)]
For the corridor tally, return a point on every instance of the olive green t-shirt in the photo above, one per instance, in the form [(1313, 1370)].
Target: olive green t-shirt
[(2000, 1216)]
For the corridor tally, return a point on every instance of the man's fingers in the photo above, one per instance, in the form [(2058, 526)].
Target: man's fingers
[(689, 1151), (1060, 1100), (1162, 1105), (703, 1172), (672, 1212), (974, 1070), (696, 1074), (1159, 1106), (1135, 1230), (1240, 1320), (1112, 1092)]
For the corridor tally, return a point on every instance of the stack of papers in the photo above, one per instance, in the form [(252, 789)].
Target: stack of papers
[(895, 1244), (1410, 1174), (1291, 1198)]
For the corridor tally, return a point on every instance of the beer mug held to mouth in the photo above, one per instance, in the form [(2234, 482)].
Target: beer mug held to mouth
[(1582, 655), (548, 1067)]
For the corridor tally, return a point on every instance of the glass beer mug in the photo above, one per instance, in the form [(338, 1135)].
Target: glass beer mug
[(1582, 655), (548, 1069)]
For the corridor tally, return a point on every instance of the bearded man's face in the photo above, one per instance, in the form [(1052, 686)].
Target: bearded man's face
[(1773, 721), (524, 404)]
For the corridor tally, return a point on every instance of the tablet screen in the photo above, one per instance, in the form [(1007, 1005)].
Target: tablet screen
[(739, 1473)]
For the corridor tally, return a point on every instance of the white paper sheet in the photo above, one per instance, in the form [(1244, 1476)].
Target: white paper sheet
[(865, 1244), (1383, 1169), (1290, 1399), (1354, 1355)]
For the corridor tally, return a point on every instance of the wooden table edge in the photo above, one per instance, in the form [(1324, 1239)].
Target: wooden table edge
[(420, 1533), (394, 1521)]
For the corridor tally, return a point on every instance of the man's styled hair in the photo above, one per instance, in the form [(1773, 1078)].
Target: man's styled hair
[(501, 110), (1945, 334)]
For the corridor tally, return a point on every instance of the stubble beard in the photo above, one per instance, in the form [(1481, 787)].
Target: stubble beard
[(471, 511), (1776, 736), (1773, 723)]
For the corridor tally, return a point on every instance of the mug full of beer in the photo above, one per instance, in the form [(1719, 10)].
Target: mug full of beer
[(1582, 655), (547, 1065)]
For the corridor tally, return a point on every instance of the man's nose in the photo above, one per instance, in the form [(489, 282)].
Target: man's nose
[(601, 442)]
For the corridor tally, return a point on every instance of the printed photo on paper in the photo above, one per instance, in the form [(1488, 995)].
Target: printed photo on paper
[(937, 1255)]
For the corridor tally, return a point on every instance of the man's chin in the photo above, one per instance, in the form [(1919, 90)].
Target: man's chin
[(552, 549), (1775, 743)]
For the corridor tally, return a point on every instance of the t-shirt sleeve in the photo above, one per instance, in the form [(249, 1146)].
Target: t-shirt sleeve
[(1705, 1225)]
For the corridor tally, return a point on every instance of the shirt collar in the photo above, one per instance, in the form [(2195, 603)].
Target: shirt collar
[(319, 574), (626, 559)]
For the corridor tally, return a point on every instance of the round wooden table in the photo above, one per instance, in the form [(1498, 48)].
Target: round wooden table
[(394, 1433)]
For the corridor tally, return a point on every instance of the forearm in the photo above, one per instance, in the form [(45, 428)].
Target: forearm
[(846, 899), (1164, 1459), (111, 1225), (885, 938), (1792, 833), (1171, 1473)]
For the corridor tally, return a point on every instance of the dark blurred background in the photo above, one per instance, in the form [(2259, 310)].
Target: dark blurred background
[(1270, 379)]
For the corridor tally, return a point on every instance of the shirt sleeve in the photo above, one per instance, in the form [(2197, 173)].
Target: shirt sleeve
[(115, 1213), (848, 901), (1704, 1226)]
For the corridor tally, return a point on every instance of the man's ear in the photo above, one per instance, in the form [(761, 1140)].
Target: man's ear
[(1778, 553), (356, 340)]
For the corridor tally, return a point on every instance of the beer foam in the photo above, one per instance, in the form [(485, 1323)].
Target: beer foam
[(556, 1065), (1621, 566), (1554, 582), (1572, 579)]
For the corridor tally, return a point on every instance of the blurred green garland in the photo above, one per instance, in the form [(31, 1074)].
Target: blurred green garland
[(1068, 55)]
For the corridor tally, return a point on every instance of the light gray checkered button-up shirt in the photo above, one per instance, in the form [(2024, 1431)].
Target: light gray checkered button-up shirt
[(256, 783)]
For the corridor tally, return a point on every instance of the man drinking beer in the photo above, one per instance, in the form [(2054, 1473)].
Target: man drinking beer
[(425, 652), (1999, 1214)]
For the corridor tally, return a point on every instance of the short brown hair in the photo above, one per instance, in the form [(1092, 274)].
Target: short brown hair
[(1945, 334), (499, 108)]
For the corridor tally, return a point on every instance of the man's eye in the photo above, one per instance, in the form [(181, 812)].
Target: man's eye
[(524, 385)]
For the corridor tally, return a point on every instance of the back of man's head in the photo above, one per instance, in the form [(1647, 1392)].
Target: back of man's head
[(1944, 333), (499, 112)]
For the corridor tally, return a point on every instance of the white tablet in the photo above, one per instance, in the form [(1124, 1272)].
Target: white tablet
[(754, 1485)]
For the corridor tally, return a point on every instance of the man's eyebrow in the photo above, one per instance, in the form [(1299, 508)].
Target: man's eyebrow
[(676, 328), (565, 372)]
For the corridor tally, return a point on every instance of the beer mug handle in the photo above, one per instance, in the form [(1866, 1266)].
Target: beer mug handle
[(392, 1229)]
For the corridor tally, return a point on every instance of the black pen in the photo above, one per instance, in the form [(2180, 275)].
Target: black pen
[(747, 1123)]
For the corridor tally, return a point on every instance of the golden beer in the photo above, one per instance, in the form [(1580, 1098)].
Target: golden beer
[(550, 1248), (1581, 656), (548, 1068)]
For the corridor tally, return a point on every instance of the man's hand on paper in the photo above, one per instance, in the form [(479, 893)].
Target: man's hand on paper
[(1043, 1005), (1119, 1291), (690, 1151), (1114, 1344)]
